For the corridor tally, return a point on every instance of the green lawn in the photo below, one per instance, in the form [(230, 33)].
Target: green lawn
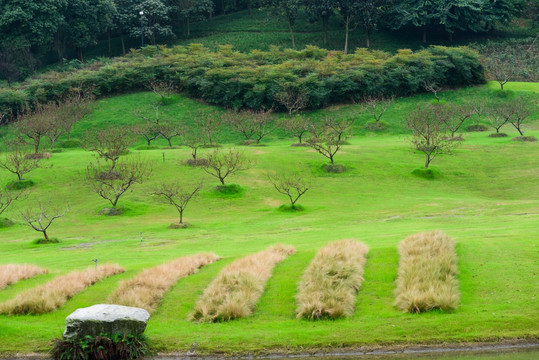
[(487, 199)]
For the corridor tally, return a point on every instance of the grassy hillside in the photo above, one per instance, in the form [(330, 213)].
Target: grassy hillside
[(485, 199)]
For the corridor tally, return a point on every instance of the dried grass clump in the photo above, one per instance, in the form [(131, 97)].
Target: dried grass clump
[(427, 273), (147, 288), (235, 292), (12, 273), (329, 286), (55, 293)]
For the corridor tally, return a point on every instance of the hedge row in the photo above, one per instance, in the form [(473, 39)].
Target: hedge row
[(252, 80)]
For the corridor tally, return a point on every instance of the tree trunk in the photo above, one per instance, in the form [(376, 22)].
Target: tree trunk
[(223, 6), (367, 37), (108, 36), (427, 161), (169, 142), (424, 35), (292, 35), (36, 145), (325, 22), (45, 235), (501, 85), (19, 176), (181, 216), (520, 131), (222, 180), (188, 28), (79, 54), (149, 142), (347, 26), (123, 44), (250, 6)]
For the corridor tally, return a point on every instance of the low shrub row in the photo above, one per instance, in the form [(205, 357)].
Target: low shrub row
[(312, 77)]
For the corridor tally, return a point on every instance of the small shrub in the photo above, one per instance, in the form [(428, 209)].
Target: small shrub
[(329, 285), (503, 94), (476, 128), (197, 162), (498, 135), (70, 144), (5, 223), (147, 147), (20, 184), (248, 142), (56, 151), (427, 273), (291, 208), (429, 174), (102, 347), (38, 156), (525, 138), (334, 168), (44, 241), (300, 145), (376, 126)]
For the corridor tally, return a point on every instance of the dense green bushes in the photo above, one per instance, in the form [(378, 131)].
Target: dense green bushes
[(254, 80)]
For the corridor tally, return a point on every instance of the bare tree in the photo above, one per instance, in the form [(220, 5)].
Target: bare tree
[(153, 116), (74, 108), (480, 107), (292, 184), (7, 197), (454, 116), (433, 87), (110, 143), (521, 109), (239, 122), (292, 99), (194, 140), (18, 162), (169, 131), (498, 115), (163, 89), (177, 195), (42, 220), (148, 131), (329, 138), (377, 106), (296, 126), (262, 124), (112, 184), (33, 125), (501, 68), (221, 164), (208, 123), (429, 132)]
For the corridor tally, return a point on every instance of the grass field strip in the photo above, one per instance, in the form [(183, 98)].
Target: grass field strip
[(12, 273), (146, 289), (330, 284), (427, 273), (238, 287), (52, 295)]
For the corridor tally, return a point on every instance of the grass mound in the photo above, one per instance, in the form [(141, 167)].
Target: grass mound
[(57, 151), (300, 145), (376, 126), (498, 135), (476, 128), (329, 286), (38, 156), (427, 273), (42, 241), (525, 138), (183, 225), (334, 168), (20, 184), (104, 347), (235, 292), (147, 147), (147, 288), (12, 273), (55, 293), (117, 211), (229, 190), (429, 174), (70, 144), (5, 223), (196, 162), (291, 208)]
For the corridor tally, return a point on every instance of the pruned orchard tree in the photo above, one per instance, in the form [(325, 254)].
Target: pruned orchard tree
[(163, 89), (109, 144), (33, 125), (194, 140), (433, 87), (168, 131), (18, 162), (501, 67), (296, 126), (262, 124), (112, 184), (222, 163), (429, 131), (208, 123), (42, 220), (291, 184), (456, 117), (7, 197), (498, 115), (292, 99), (521, 109), (177, 194), (74, 108), (377, 106), (329, 137), (148, 131)]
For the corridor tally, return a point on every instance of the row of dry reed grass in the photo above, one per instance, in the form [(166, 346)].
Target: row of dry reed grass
[(329, 285), (427, 273), (238, 287), (55, 293), (12, 273), (147, 288)]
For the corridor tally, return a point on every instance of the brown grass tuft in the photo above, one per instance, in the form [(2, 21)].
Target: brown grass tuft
[(427, 273), (12, 273), (235, 292), (329, 285), (147, 288), (52, 295)]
